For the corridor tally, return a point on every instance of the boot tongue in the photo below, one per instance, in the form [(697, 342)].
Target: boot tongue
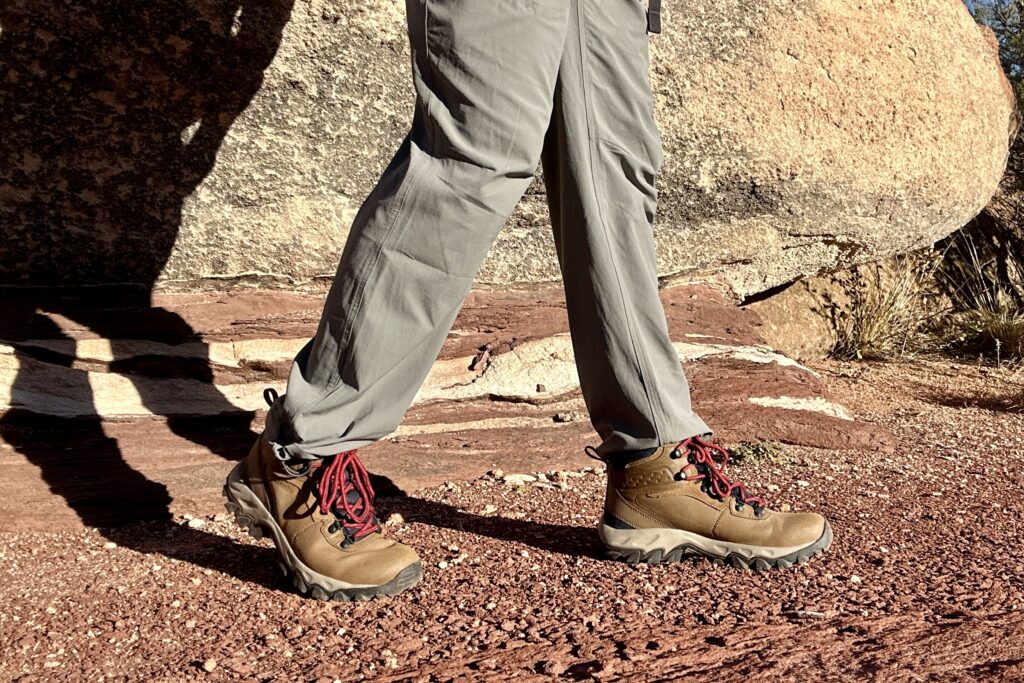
[(354, 499), (353, 496)]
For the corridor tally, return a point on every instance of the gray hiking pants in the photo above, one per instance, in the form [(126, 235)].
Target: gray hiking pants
[(500, 86)]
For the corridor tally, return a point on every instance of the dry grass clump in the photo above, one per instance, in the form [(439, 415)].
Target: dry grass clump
[(987, 320), (998, 334), (954, 301), (889, 311)]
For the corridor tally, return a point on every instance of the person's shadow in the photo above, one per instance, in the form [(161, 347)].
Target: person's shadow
[(113, 114)]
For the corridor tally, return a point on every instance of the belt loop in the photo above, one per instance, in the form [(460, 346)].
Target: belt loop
[(654, 16)]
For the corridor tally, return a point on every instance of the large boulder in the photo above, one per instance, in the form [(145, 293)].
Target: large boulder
[(193, 143)]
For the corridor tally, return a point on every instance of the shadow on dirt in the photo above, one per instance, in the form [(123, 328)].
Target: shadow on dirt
[(258, 563), (563, 539), (993, 402)]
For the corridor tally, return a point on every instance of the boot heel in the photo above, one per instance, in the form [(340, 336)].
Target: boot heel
[(243, 519)]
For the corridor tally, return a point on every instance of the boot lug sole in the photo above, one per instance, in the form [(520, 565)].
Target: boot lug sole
[(755, 562)]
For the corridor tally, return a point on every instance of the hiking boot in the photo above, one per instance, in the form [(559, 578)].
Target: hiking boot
[(320, 516), (673, 501)]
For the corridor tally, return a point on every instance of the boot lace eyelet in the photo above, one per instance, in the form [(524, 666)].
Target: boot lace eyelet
[(710, 461)]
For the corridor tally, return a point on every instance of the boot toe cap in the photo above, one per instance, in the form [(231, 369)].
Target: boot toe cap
[(801, 528), (375, 565)]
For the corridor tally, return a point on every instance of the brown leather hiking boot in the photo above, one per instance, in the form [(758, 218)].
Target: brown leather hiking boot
[(321, 519), (678, 501)]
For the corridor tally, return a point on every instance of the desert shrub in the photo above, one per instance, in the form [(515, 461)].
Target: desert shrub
[(987, 318), (759, 452), (890, 310)]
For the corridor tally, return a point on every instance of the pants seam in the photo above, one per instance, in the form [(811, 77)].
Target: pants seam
[(640, 362)]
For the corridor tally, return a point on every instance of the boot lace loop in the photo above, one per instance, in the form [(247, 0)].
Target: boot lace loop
[(703, 454), (344, 488)]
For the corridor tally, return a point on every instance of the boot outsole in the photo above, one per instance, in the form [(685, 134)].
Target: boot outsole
[(689, 551), (407, 578)]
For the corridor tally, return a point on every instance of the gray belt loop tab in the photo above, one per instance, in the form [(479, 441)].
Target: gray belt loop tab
[(654, 16)]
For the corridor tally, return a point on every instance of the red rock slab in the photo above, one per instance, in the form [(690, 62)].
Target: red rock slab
[(721, 389), (75, 471), (487, 317), (69, 471)]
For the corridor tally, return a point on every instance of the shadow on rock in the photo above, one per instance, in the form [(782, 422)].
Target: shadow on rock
[(114, 113)]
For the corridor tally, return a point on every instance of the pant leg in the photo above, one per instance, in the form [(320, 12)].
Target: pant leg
[(484, 74), (601, 156)]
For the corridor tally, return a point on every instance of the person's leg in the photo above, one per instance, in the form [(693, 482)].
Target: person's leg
[(601, 156), (484, 74), (668, 494)]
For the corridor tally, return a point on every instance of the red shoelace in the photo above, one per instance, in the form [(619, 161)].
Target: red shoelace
[(341, 477), (703, 454)]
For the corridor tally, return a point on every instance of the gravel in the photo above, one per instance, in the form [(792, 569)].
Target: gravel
[(923, 582)]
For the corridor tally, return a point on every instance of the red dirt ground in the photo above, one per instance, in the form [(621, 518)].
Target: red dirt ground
[(923, 583)]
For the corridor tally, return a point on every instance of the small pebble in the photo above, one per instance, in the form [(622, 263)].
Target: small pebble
[(519, 479), (810, 614), (802, 484), (209, 665)]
